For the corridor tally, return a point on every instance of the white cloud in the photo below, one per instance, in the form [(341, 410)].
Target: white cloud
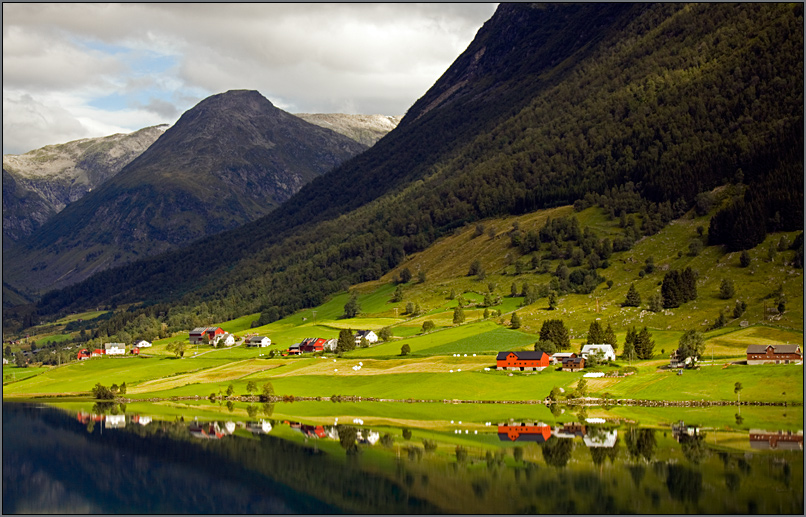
[(160, 59)]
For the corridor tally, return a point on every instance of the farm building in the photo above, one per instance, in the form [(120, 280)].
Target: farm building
[(204, 335), (97, 353), (784, 440), (370, 335), (312, 344), (135, 351), (539, 432), (559, 356), (294, 349), (773, 354), (114, 348), (606, 350), (573, 364), (259, 341), (142, 344), (523, 361), (83, 354), (225, 339)]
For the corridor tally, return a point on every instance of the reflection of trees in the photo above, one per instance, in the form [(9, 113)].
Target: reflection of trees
[(637, 472), (641, 443), (101, 408), (347, 439), (694, 448), (684, 484), (732, 481), (557, 451), (251, 410), (268, 409)]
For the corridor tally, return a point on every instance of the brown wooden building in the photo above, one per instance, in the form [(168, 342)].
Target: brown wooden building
[(773, 354)]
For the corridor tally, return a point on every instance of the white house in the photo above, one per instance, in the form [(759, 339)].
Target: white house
[(115, 348), (606, 350), (330, 345), (142, 344), (260, 341), (370, 335), (227, 339)]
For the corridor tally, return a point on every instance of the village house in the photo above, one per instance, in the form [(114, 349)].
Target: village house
[(204, 335), (294, 349), (605, 350), (370, 335), (573, 364), (259, 341), (225, 339), (97, 353), (330, 345), (135, 351), (142, 344), (559, 356), (524, 432), (773, 354), (114, 348), (522, 361)]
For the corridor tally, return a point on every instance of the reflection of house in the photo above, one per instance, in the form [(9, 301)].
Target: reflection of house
[(366, 436), (261, 427), (777, 440), (523, 361), (773, 354), (115, 421), (570, 430), (601, 438), (559, 356), (539, 432), (605, 351), (142, 420), (209, 430), (681, 429), (259, 341), (573, 364)]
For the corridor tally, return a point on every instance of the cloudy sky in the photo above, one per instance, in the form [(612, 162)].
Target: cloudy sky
[(81, 70)]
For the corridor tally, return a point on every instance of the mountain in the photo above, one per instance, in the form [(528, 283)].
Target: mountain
[(232, 158), (653, 105), (40, 183), (365, 129)]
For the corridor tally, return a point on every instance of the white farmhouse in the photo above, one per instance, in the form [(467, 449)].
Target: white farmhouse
[(605, 350), (114, 348), (259, 341), (142, 344), (370, 335), (226, 339)]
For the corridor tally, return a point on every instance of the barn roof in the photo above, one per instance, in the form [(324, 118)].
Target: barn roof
[(524, 354)]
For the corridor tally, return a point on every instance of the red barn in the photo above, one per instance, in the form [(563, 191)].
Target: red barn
[(97, 352), (207, 335), (523, 361), (773, 354), (135, 351), (83, 354), (312, 344)]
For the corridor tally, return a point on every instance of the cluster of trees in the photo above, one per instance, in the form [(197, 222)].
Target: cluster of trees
[(102, 392), (678, 287), (638, 345)]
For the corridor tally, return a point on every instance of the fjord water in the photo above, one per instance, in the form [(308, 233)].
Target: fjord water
[(109, 459)]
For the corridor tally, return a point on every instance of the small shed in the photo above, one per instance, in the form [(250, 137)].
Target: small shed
[(573, 364)]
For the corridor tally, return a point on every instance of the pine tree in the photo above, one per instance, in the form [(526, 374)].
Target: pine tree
[(352, 308), (644, 345), (515, 322), (596, 335), (633, 298), (555, 331), (629, 345), (552, 300), (726, 289), (346, 341), (610, 337)]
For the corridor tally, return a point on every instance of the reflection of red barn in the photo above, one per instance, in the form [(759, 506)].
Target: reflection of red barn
[(524, 432), (526, 360), (784, 440), (313, 431), (206, 430)]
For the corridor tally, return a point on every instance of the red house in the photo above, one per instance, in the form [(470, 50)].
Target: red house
[(523, 361), (98, 352), (83, 354), (312, 344), (524, 432), (135, 351), (773, 354), (204, 335)]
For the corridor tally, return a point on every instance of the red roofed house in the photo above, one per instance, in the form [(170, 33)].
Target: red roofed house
[(773, 354), (523, 361), (97, 353), (83, 354), (204, 335), (312, 344)]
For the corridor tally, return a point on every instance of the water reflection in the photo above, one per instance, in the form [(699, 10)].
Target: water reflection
[(278, 466)]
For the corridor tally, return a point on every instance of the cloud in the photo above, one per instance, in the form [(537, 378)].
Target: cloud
[(157, 60)]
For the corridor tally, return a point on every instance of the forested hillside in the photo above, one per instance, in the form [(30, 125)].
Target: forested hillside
[(672, 99)]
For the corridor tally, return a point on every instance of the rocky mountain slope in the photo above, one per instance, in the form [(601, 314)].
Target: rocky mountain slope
[(365, 129), (40, 183), (652, 104), (232, 158)]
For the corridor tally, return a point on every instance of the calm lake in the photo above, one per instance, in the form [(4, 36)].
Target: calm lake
[(398, 459)]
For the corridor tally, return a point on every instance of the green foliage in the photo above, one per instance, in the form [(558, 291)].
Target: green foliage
[(405, 349), (739, 308), (727, 289), (352, 307), (552, 300), (428, 326), (691, 344), (744, 259), (251, 387), (458, 316), (545, 346), (610, 337), (102, 392), (398, 296), (679, 287), (385, 334), (556, 332), (596, 334), (555, 393), (346, 341), (644, 344), (177, 348), (515, 321), (230, 390), (267, 391), (405, 275)]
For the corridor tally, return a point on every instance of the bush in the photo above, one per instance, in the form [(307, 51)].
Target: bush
[(405, 349)]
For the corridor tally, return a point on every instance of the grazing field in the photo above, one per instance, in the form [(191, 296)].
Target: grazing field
[(15, 373), (430, 340), (496, 340), (226, 372)]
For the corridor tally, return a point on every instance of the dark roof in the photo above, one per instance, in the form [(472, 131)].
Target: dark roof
[(524, 437), (777, 349), (525, 355), (576, 360)]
